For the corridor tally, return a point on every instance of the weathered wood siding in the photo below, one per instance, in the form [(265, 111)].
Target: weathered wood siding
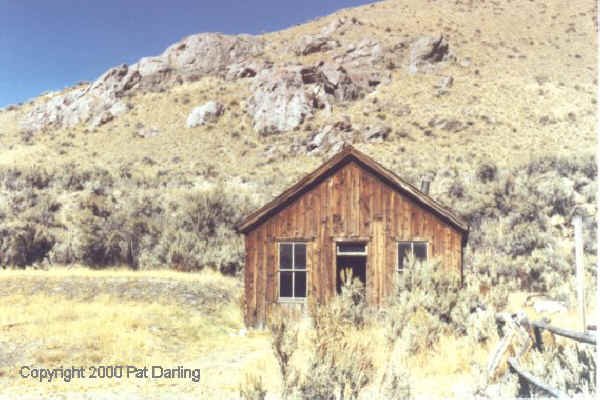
[(351, 202)]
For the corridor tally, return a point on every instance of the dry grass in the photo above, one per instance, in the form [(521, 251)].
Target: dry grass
[(53, 329), (59, 272)]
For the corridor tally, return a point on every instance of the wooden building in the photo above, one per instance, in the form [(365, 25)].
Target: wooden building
[(349, 213)]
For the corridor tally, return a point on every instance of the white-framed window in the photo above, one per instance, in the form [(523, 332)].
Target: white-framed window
[(419, 250), (292, 271)]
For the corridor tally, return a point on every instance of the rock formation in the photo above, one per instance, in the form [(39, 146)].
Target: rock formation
[(97, 103), (426, 51), (283, 97), (208, 112)]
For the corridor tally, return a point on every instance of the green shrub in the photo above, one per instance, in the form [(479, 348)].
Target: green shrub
[(429, 301), (24, 244), (200, 232)]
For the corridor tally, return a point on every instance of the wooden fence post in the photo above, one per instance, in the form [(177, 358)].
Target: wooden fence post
[(579, 271)]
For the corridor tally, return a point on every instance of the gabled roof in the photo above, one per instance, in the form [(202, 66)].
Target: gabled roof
[(347, 154)]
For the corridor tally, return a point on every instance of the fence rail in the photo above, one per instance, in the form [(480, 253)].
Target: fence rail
[(520, 323), (516, 367), (577, 336)]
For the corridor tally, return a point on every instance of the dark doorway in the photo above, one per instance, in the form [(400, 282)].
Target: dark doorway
[(356, 264)]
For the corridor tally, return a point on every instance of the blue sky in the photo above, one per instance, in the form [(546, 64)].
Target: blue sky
[(51, 44)]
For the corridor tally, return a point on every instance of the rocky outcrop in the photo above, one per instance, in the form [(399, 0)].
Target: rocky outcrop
[(376, 133), (95, 103), (309, 44), (103, 100), (427, 51), (208, 112), (333, 26), (284, 97), (279, 102), (209, 54), (447, 124), (331, 138), (247, 69), (366, 53), (322, 41)]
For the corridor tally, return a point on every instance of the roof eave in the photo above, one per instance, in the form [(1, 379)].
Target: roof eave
[(255, 218)]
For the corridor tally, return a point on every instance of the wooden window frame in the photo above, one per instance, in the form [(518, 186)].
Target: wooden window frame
[(293, 270), (351, 253), (412, 250)]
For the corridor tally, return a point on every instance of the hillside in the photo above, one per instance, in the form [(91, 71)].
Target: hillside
[(443, 88), (523, 86)]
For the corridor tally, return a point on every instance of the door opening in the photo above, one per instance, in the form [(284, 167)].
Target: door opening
[(351, 258)]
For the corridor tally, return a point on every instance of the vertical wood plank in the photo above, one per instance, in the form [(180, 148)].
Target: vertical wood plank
[(260, 289), (271, 267), (253, 277)]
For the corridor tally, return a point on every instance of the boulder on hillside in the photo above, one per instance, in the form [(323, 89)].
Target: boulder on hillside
[(309, 44), (447, 124), (279, 101), (210, 53), (320, 42), (99, 102), (377, 134), (246, 69), (426, 51), (365, 53), (241, 70), (331, 138), (208, 112), (333, 26), (283, 98), (148, 132)]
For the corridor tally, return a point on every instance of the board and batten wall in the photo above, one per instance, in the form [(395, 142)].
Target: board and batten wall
[(352, 203)]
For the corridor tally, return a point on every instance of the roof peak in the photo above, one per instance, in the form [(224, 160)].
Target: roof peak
[(366, 162)]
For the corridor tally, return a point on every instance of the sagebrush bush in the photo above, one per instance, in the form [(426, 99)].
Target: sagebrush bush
[(521, 218), (340, 360), (395, 379), (341, 363), (284, 343), (99, 219), (569, 367), (200, 232), (253, 388), (430, 301), (24, 244)]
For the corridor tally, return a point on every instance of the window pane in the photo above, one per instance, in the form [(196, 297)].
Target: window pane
[(403, 252), (300, 256), (285, 284), (351, 247), (300, 284), (285, 255), (420, 250)]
